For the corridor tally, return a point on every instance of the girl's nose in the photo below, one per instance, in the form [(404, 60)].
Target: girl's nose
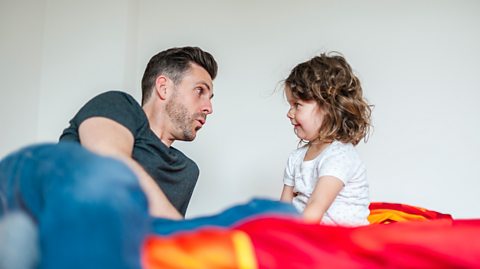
[(290, 114)]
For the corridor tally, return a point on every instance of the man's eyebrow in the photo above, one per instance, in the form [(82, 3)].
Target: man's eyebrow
[(208, 87), (205, 84)]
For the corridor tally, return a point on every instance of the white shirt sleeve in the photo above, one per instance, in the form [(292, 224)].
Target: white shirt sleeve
[(288, 175)]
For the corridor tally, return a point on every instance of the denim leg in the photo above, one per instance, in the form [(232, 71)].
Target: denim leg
[(19, 241), (90, 210), (229, 217)]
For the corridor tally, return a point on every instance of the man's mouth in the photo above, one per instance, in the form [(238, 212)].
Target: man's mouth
[(201, 122)]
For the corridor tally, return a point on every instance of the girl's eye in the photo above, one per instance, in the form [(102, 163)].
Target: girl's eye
[(199, 91), (296, 104)]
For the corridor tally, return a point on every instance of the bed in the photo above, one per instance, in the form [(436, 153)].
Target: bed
[(268, 234)]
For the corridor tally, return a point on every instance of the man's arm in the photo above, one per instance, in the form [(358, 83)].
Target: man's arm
[(107, 137)]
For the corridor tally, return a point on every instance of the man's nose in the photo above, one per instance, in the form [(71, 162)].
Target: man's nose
[(208, 108)]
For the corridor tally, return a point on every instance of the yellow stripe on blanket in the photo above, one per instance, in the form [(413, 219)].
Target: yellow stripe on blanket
[(244, 250)]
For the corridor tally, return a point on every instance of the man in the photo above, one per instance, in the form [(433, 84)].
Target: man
[(91, 196), (176, 99)]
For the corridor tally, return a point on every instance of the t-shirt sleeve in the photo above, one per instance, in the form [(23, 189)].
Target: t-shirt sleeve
[(340, 164), (114, 105), (288, 175)]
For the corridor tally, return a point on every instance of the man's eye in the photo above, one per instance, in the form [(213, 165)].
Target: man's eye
[(199, 90)]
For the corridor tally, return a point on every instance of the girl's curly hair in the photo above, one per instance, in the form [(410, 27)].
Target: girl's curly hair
[(328, 79)]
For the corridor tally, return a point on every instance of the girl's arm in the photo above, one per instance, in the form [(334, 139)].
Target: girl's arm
[(287, 194), (322, 197)]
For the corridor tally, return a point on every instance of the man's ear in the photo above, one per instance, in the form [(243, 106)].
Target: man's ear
[(161, 86)]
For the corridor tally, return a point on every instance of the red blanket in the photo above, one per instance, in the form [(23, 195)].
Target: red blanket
[(414, 238)]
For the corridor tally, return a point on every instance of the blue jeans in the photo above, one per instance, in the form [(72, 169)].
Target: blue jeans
[(227, 218), (90, 210)]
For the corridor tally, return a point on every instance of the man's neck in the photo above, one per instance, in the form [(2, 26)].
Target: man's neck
[(159, 124)]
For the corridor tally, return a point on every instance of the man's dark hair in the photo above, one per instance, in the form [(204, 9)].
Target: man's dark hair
[(173, 63)]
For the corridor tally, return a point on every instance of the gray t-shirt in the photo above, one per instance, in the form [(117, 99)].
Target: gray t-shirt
[(174, 172)]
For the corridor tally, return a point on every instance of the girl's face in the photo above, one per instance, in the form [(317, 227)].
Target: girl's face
[(305, 116)]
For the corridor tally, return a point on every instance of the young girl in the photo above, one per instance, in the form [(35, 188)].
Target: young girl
[(325, 179)]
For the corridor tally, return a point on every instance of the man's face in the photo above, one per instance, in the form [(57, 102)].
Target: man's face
[(191, 103)]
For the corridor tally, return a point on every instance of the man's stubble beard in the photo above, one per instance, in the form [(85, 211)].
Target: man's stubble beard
[(181, 119)]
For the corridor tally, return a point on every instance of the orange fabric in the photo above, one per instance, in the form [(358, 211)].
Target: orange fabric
[(204, 249), (384, 213), (385, 216)]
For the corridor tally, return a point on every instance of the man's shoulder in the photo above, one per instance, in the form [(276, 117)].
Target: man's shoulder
[(117, 105), (115, 96)]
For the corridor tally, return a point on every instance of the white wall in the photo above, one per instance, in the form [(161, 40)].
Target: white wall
[(21, 43), (417, 60), (88, 47)]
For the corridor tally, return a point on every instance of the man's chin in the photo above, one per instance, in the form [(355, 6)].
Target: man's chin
[(189, 136)]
